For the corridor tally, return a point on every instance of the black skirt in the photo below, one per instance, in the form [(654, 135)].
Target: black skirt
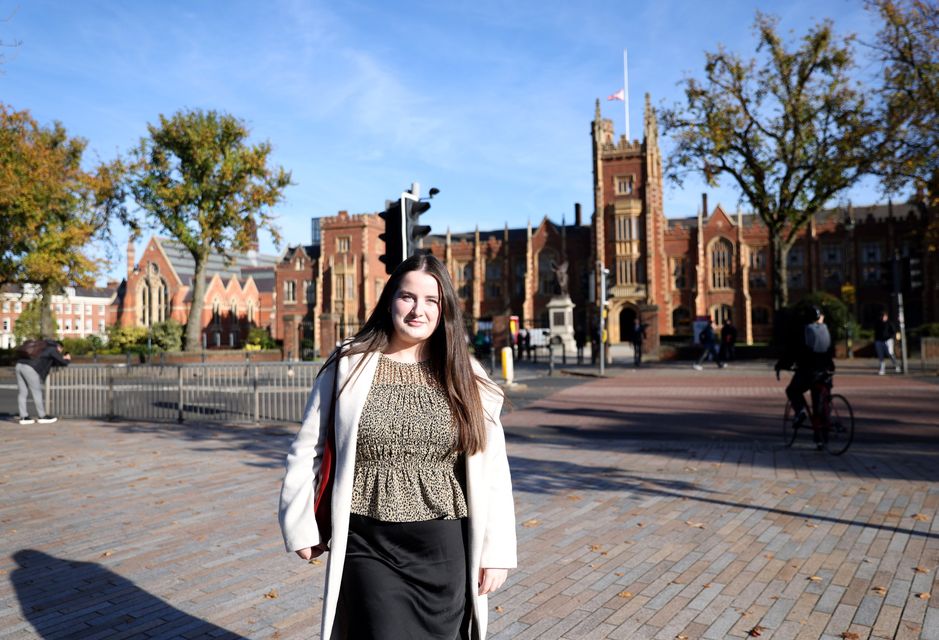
[(404, 581)]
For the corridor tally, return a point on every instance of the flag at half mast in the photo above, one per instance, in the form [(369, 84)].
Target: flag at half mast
[(619, 95)]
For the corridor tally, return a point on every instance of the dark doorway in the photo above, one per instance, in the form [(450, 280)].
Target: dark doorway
[(627, 317)]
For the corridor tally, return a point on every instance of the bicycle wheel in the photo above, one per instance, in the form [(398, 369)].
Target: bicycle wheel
[(789, 427), (840, 425)]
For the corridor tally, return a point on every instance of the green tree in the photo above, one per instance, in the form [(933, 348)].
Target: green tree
[(908, 47), (27, 325), (52, 208), (197, 178), (790, 128), (167, 335)]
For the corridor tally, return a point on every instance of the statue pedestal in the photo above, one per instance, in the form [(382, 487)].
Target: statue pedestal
[(561, 323)]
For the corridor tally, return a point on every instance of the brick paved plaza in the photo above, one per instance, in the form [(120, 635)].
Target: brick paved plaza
[(651, 504)]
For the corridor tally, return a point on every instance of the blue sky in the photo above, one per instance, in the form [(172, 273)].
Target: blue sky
[(490, 102)]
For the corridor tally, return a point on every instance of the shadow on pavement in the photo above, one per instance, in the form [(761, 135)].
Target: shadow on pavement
[(268, 444), (69, 599), (553, 476)]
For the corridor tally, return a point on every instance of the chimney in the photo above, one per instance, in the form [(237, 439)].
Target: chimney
[(131, 256), (704, 204), (252, 235), (578, 218)]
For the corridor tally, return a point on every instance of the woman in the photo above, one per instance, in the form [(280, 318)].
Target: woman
[(423, 522)]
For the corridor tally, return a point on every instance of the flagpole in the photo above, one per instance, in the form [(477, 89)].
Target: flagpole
[(626, 94)]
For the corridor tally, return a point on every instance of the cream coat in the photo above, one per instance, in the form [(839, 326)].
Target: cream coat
[(489, 486)]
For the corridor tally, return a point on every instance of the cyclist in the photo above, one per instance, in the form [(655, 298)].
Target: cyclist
[(814, 362)]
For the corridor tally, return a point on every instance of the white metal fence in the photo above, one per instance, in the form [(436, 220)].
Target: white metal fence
[(263, 392)]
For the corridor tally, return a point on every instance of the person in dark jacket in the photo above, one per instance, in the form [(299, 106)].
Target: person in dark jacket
[(884, 334), (709, 342), (728, 341), (31, 374), (638, 336), (814, 362)]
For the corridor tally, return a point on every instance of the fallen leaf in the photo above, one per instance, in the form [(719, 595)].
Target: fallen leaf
[(528, 524), (595, 547), (922, 596), (499, 609), (639, 524), (811, 525), (624, 594), (270, 595), (695, 525), (850, 635), (316, 562), (707, 585), (573, 497), (815, 578), (756, 631), (920, 570), (879, 590), (691, 468), (920, 516), (619, 574), (790, 491), (107, 554), (681, 637)]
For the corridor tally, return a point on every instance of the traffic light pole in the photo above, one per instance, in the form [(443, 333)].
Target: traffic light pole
[(602, 338), (901, 318)]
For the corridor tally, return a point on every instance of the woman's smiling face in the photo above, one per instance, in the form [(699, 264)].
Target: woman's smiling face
[(415, 309)]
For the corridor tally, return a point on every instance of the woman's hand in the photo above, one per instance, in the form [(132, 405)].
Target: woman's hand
[(312, 552), (491, 579)]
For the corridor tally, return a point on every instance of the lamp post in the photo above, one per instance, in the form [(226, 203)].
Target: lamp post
[(848, 290)]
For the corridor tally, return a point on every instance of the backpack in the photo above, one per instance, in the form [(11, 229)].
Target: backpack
[(31, 349)]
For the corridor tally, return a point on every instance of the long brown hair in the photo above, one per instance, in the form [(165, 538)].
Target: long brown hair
[(449, 354)]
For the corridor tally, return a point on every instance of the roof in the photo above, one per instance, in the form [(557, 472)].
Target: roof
[(874, 212), (185, 266)]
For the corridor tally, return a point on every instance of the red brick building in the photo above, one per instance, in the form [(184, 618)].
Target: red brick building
[(666, 271), (239, 293)]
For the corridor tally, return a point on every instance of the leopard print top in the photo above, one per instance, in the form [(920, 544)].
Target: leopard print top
[(405, 467)]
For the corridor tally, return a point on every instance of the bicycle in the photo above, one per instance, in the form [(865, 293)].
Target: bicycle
[(836, 422)]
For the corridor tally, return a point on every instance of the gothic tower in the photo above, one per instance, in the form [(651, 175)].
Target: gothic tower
[(629, 226)]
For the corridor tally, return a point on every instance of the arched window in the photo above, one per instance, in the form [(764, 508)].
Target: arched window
[(722, 264), (681, 321), (216, 314), (250, 317), (721, 312), (546, 279)]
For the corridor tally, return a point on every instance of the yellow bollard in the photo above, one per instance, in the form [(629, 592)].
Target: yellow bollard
[(508, 368)]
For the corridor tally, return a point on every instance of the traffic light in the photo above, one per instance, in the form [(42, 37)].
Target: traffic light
[(393, 236), (915, 271), (414, 230)]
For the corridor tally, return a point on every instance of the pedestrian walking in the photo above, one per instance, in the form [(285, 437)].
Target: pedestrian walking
[(728, 341), (423, 521), (520, 343), (709, 341), (884, 334), (638, 336), (36, 359), (580, 340)]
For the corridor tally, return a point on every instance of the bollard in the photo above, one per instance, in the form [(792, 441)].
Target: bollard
[(508, 367), (550, 359), (563, 354)]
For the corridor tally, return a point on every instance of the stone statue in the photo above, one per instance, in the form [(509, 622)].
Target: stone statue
[(560, 274)]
